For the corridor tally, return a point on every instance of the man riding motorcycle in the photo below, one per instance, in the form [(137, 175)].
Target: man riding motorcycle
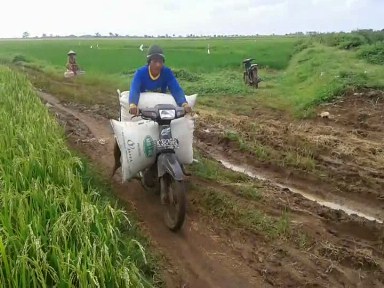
[(154, 77)]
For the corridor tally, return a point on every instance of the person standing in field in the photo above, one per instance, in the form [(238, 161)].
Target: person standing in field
[(71, 63), (155, 77)]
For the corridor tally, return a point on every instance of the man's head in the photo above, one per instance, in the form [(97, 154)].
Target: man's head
[(155, 58)]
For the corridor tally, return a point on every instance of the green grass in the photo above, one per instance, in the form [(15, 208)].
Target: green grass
[(56, 228), (237, 201), (372, 53), (240, 213), (212, 170), (350, 41), (318, 74), (258, 141), (243, 185)]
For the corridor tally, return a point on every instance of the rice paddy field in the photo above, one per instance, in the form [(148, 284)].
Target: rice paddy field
[(114, 61), (116, 57)]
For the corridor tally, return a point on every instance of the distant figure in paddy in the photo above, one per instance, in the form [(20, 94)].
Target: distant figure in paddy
[(72, 64), (72, 67)]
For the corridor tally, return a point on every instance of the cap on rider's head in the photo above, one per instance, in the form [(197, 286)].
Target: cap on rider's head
[(155, 52), (71, 52)]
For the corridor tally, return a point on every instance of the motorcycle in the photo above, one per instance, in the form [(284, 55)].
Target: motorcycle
[(250, 74), (166, 175)]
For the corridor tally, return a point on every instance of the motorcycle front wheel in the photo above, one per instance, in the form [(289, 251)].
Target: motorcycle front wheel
[(174, 199), (149, 180)]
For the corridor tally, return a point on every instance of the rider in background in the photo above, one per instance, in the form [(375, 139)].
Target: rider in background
[(155, 77), (71, 63)]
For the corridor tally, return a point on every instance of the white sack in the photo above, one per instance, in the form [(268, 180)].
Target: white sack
[(183, 129), (149, 100), (137, 144)]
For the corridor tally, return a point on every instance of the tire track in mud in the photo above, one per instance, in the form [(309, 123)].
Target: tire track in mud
[(357, 184), (196, 258), (291, 187), (202, 256)]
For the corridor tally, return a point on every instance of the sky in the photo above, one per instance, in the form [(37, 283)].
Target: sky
[(182, 17)]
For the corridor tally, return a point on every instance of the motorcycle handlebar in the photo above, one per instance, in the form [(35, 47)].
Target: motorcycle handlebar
[(149, 113)]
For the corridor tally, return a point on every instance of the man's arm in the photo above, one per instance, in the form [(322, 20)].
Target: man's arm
[(134, 91), (176, 91)]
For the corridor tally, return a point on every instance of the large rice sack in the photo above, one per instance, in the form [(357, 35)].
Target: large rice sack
[(148, 100), (183, 129), (137, 143)]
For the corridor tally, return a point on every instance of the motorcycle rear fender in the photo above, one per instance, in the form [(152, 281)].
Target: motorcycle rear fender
[(168, 163)]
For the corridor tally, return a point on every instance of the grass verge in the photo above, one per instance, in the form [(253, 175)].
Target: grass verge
[(235, 199), (318, 74)]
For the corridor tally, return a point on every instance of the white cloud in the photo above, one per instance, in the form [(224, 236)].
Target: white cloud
[(187, 16)]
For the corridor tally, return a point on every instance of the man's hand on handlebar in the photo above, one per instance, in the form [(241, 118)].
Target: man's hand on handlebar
[(187, 108), (133, 110)]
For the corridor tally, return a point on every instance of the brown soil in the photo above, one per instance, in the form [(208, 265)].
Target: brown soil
[(340, 158), (325, 248)]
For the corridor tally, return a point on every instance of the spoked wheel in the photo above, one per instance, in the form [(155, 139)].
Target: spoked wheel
[(173, 197), (149, 180)]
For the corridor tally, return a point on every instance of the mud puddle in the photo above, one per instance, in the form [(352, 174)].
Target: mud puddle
[(256, 175)]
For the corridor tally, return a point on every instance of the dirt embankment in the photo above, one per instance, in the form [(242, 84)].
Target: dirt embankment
[(340, 158), (323, 247)]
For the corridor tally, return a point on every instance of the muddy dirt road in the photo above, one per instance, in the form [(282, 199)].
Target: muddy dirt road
[(196, 258), (325, 247)]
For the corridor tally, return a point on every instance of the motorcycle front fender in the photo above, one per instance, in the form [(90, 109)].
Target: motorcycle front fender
[(168, 163)]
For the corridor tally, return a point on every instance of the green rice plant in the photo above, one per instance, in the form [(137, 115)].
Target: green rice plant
[(55, 230), (121, 56)]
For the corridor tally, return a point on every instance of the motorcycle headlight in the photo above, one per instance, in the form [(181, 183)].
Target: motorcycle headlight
[(167, 114)]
